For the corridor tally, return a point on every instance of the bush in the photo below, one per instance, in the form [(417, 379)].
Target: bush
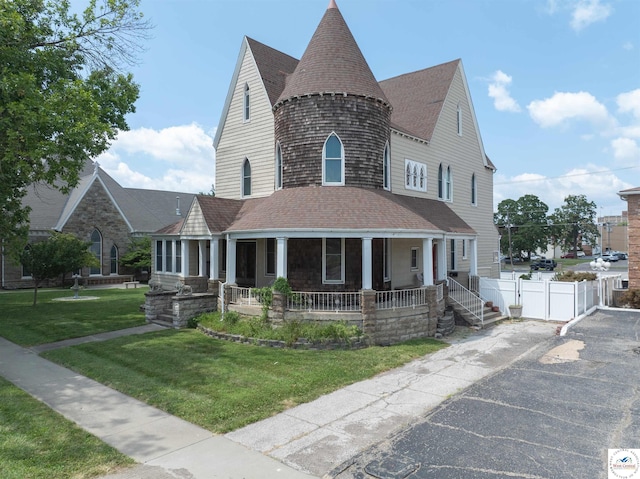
[(631, 298), (572, 276)]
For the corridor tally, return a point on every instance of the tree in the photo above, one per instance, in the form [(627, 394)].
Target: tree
[(57, 255), (138, 254), (525, 222), (574, 223), (62, 95)]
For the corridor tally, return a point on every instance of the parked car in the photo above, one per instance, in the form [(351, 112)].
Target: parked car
[(620, 255), (516, 259), (609, 257), (570, 255), (546, 264)]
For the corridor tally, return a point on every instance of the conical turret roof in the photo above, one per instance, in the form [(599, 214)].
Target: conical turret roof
[(332, 63)]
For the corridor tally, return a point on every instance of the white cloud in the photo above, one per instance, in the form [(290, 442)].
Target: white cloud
[(627, 46), (177, 158), (498, 90), (586, 12), (625, 149), (629, 103), (562, 107)]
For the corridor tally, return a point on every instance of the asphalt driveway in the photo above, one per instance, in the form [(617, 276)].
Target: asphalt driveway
[(551, 415)]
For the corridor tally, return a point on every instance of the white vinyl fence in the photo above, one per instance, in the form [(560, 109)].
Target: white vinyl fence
[(549, 300)]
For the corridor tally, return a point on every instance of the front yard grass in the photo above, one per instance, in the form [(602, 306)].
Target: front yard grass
[(222, 385), (36, 442), (51, 321)]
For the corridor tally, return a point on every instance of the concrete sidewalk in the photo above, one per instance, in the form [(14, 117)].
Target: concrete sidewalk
[(310, 439)]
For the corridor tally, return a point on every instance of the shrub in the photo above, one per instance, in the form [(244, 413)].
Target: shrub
[(572, 276), (231, 318), (631, 298)]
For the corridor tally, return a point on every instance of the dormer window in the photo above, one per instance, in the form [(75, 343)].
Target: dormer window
[(247, 103), (333, 161), (278, 172), (246, 178)]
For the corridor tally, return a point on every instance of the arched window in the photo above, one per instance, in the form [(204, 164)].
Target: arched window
[(26, 272), (448, 185), (407, 180), (333, 161), (246, 178), (278, 166), (96, 250), (422, 179), (113, 257), (246, 103), (440, 182), (474, 198), (386, 168), (415, 176)]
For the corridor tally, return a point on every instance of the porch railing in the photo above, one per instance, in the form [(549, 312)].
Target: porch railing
[(323, 301), (467, 299), (401, 298), (245, 296)]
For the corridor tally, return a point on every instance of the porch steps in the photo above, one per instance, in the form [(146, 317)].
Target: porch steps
[(489, 317), (164, 319)]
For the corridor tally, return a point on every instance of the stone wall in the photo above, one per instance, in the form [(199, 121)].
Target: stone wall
[(186, 307), (302, 125), (633, 208)]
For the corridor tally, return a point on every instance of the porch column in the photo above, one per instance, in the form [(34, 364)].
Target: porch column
[(427, 262), (281, 258), (473, 257), (202, 258), (442, 259), (231, 260), (214, 270), (184, 246), (367, 269)]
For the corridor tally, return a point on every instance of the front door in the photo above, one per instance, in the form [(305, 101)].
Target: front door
[(246, 264)]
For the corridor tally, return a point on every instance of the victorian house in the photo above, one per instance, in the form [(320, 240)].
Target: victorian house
[(337, 181)]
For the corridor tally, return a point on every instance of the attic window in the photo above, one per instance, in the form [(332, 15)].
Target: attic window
[(459, 120), (246, 178)]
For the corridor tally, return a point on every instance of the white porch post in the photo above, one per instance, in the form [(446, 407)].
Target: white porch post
[(184, 246), (231, 260), (442, 259), (367, 269), (281, 258), (473, 257), (202, 258), (214, 270), (427, 262)]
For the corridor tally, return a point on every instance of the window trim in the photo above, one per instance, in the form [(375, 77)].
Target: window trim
[(386, 167), (474, 190), (414, 261), (324, 262), (279, 168), (416, 175), (246, 104), (246, 177), (324, 162)]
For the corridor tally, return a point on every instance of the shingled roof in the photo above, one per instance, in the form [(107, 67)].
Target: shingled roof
[(369, 209), (418, 97), (332, 63), (273, 65)]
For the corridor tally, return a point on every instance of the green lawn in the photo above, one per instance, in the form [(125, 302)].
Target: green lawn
[(36, 442), (51, 321), (221, 385)]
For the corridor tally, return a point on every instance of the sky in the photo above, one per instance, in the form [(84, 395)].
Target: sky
[(555, 84)]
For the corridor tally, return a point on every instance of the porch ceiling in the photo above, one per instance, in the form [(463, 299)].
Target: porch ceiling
[(347, 208)]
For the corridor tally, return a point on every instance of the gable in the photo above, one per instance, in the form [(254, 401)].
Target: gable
[(195, 223)]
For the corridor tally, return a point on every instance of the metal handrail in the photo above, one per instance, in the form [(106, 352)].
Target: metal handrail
[(466, 299)]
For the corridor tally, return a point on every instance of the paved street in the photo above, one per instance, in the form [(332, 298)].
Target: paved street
[(551, 415)]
